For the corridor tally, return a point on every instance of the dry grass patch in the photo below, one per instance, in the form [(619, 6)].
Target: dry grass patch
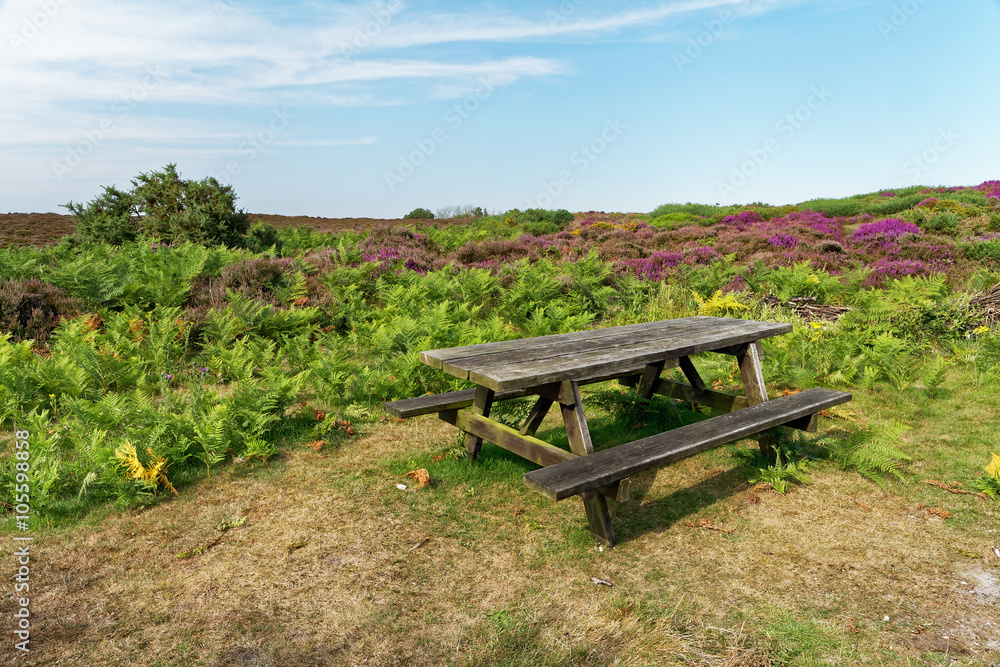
[(335, 565)]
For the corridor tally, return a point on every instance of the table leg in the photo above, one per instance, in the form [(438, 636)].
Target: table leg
[(753, 382), (647, 383), (598, 516), (536, 416), (691, 373), (481, 406)]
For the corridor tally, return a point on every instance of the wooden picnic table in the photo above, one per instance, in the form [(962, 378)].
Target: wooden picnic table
[(552, 368)]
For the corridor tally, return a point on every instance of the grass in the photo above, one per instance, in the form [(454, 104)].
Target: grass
[(335, 565)]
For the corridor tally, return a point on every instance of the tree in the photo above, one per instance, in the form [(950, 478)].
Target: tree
[(163, 205)]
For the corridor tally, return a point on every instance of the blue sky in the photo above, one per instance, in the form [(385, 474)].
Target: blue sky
[(370, 109)]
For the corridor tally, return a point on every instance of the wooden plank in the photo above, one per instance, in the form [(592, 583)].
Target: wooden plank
[(709, 398), (753, 384), (605, 467), (481, 407), (752, 374), (527, 447), (578, 433), (453, 400), (648, 379), (537, 414), (691, 373), (577, 430), (436, 358), (574, 366), (541, 349)]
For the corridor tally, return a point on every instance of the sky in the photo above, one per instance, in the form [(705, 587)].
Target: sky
[(372, 109)]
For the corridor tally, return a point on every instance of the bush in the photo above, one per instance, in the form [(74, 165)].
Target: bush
[(164, 206), (419, 214), (987, 251), (676, 220), (262, 237), (837, 208), (702, 210), (31, 309)]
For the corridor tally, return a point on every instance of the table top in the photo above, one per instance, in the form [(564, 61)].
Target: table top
[(530, 362)]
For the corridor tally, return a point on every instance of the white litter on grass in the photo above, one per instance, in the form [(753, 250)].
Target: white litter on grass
[(401, 487)]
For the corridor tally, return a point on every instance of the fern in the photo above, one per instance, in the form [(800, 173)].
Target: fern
[(935, 374), (778, 475), (990, 485), (874, 452), (720, 305)]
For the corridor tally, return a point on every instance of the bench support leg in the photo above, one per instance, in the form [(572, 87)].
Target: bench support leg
[(748, 357), (481, 406), (647, 382), (691, 373), (536, 416), (578, 433)]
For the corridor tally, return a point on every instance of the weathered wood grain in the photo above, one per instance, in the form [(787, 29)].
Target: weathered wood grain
[(452, 400), (436, 357), (605, 467), (617, 359), (691, 373), (528, 447), (753, 383), (537, 451), (647, 381), (578, 433), (541, 349), (537, 414), (481, 406)]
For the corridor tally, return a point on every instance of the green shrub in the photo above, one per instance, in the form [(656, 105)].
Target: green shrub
[(987, 251), (884, 206), (110, 218), (163, 206), (676, 220), (703, 210), (942, 223), (994, 223), (262, 237), (31, 309), (419, 214), (838, 208)]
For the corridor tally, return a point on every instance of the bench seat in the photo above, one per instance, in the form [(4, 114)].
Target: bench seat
[(452, 400), (605, 467)]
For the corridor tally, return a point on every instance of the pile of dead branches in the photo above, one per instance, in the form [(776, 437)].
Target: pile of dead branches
[(988, 304), (807, 308)]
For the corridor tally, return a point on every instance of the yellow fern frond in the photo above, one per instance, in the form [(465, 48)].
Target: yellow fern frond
[(720, 305), (128, 458), (993, 469)]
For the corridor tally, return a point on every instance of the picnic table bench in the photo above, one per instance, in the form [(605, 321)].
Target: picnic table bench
[(552, 368)]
